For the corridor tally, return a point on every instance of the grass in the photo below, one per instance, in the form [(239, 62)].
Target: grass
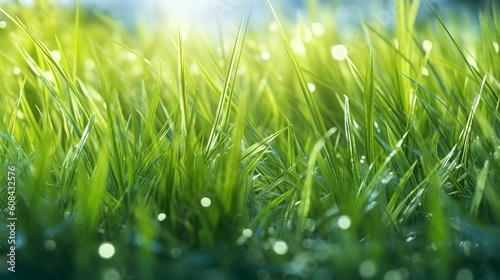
[(196, 163)]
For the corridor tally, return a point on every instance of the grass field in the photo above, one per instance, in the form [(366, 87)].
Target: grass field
[(292, 152)]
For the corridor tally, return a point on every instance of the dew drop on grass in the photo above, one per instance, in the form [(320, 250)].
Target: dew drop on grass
[(311, 87), (387, 178), (367, 269), (411, 236), (471, 61), (376, 126), (339, 52), (16, 71), (308, 243), (362, 160), (427, 45), (130, 56), (194, 69), (466, 245), (425, 71), (396, 43), (298, 46), (393, 275), (280, 247), (270, 230), (241, 240), (20, 115), (247, 233), (56, 55), (265, 56), (89, 65), (273, 26), (111, 274), (310, 225), (317, 29), (50, 245), (496, 47), (3, 24), (464, 274), (106, 250), (176, 253), (49, 76), (344, 222), (162, 217), (206, 202)]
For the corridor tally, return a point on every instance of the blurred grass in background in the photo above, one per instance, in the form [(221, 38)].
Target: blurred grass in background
[(291, 149)]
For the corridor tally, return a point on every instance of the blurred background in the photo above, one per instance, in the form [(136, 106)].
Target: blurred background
[(216, 14)]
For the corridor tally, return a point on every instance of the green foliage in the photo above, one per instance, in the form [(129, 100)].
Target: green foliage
[(156, 142)]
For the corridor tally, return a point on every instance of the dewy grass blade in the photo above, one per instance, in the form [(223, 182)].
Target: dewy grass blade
[(306, 196), (480, 186), (184, 153), (225, 102), (465, 135), (182, 86), (369, 112), (351, 142), (148, 129), (319, 126)]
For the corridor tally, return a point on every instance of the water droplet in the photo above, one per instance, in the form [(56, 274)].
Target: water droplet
[(89, 65), (265, 56), (427, 45), (308, 243), (106, 250), (396, 43), (376, 126), (56, 55), (241, 240), (16, 71), (270, 230), (111, 274), (496, 47), (131, 56), (471, 61), (205, 202), (310, 225), (425, 71), (339, 52), (362, 160), (273, 26), (466, 245), (176, 253), (344, 222), (317, 29), (20, 115), (367, 269), (162, 217), (298, 46), (49, 76), (3, 24), (308, 36), (387, 178), (411, 236), (311, 87), (194, 69), (50, 245), (393, 275), (247, 233), (280, 247), (464, 274)]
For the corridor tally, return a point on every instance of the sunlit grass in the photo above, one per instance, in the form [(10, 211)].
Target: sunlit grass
[(294, 151)]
